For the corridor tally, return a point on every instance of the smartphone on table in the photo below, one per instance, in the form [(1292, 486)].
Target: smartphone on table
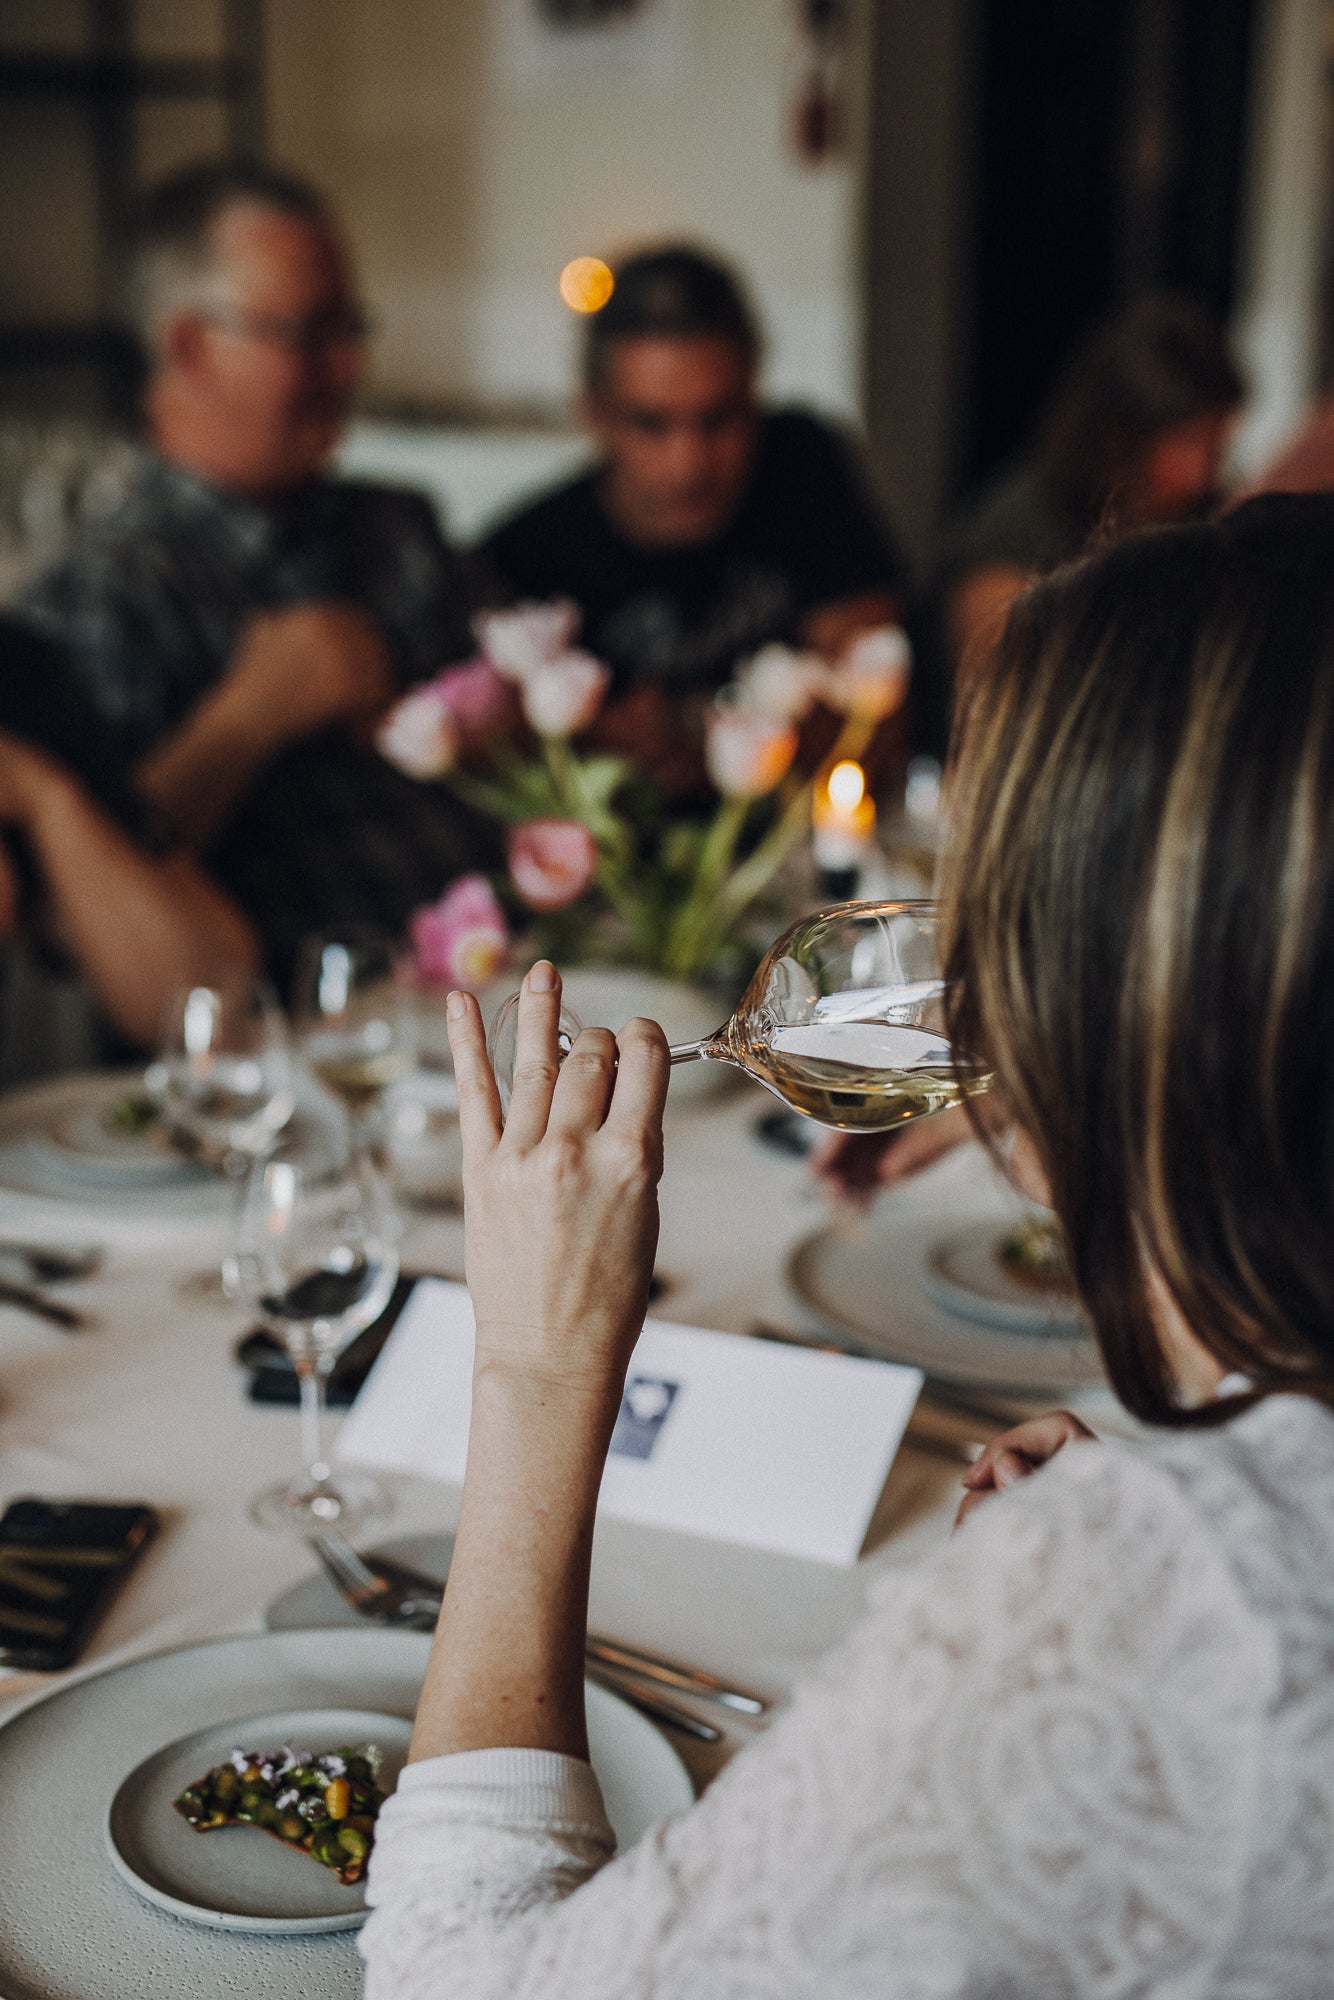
[(61, 1563)]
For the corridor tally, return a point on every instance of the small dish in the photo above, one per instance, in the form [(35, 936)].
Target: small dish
[(238, 1878)]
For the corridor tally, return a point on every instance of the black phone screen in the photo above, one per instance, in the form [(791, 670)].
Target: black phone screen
[(61, 1562)]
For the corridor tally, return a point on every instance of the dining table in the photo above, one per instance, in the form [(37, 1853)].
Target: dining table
[(149, 1404)]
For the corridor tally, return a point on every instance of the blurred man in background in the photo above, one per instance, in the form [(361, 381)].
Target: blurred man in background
[(709, 525), (243, 617)]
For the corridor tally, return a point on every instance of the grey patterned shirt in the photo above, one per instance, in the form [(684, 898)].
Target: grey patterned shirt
[(151, 600)]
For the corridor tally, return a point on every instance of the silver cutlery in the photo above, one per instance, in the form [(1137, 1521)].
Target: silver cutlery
[(392, 1593), (25, 1299), (53, 1263)]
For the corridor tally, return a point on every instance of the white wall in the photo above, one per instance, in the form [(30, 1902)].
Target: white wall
[(467, 181)]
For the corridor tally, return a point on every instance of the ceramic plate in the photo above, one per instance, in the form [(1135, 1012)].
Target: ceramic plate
[(234, 1876), (878, 1283), (74, 1929), (56, 1141), (964, 1274)]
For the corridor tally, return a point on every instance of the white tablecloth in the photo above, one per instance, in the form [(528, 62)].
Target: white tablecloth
[(152, 1407)]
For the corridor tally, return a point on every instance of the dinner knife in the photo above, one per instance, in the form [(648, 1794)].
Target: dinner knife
[(25, 1299)]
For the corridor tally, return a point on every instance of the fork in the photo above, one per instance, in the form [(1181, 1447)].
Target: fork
[(402, 1599)]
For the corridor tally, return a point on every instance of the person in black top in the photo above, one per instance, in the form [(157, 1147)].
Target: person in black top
[(710, 525), (85, 875)]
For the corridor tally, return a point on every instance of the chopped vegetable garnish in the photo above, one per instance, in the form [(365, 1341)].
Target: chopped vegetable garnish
[(326, 1805)]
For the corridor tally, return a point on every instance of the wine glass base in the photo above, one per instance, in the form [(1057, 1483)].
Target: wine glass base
[(311, 1507)]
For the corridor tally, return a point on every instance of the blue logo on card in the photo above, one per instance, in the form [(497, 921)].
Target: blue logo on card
[(645, 1408)]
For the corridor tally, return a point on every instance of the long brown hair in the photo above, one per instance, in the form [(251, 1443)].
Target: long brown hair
[(1139, 927)]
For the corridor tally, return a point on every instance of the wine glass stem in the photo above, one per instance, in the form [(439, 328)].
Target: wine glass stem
[(310, 1380), (684, 1052)]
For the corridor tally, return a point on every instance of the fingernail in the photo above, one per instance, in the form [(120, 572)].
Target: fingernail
[(542, 977), (1006, 1475), (455, 1006)]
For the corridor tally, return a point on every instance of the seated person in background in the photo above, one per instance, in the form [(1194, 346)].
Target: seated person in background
[(1086, 1748), (243, 617), (1135, 434), (83, 879), (709, 525)]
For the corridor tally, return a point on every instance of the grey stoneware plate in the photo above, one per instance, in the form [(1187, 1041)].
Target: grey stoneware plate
[(885, 1290), (74, 1929), (963, 1273), (234, 1876)]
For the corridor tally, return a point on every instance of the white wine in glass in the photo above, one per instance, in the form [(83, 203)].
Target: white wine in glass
[(354, 1019), (843, 1019)]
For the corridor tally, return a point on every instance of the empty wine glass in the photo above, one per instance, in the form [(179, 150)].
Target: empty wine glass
[(317, 1257), (354, 1019), (223, 1081), (843, 1019)]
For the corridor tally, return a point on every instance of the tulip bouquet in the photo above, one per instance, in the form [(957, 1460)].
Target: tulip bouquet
[(586, 840)]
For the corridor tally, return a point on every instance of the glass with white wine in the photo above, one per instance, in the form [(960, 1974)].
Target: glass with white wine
[(354, 1020), (843, 1019)]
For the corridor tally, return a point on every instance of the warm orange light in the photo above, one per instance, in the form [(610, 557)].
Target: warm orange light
[(847, 784), (586, 284)]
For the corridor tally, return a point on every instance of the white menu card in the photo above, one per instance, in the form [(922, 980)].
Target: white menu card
[(736, 1439)]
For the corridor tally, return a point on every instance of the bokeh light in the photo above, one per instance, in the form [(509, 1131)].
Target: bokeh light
[(586, 284)]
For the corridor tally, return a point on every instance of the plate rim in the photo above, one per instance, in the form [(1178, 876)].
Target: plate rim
[(197, 1913), (1006, 1315), (1022, 1385)]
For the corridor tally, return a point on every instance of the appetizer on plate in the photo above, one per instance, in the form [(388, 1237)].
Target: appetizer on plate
[(325, 1805), (1034, 1254)]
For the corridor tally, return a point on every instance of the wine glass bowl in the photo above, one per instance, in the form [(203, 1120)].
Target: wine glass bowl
[(316, 1256), (844, 1019), (354, 1017), (223, 1073)]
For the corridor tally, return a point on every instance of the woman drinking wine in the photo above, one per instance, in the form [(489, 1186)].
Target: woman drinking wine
[(1088, 1748)]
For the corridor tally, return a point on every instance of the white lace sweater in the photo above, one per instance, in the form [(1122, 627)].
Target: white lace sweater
[(1087, 1750)]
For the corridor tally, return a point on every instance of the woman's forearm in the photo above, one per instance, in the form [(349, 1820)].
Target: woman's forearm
[(507, 1669)]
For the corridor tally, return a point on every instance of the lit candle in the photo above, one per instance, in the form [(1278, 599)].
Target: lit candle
[(843, 816)]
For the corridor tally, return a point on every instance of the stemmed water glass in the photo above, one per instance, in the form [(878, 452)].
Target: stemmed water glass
[(223, 1082), (317, 1258), (843, 1019), (354, 1020)]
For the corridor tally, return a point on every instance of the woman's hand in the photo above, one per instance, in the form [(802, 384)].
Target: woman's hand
[(561, 1215), (1017, 1453)]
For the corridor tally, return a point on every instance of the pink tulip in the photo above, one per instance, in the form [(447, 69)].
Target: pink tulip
[(871, 679), (463, 939), (562, 697), (520, 641), (419, 735), (552, 862), (781, 682), (477, 699), (747, 754)]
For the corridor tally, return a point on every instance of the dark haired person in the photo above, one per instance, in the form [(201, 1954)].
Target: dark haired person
[(100, 921), (709, 525), (1135, 433), (1088, 1747), (242, 616)]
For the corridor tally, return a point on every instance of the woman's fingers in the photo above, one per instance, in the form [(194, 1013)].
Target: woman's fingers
[(584, 1087), (479, 1100), (643, 1072), (536, 1057)]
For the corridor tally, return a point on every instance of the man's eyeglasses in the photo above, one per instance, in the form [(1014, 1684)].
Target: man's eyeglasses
[(341, 326)]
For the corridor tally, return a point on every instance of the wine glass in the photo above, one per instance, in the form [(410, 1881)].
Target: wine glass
[(843, 1019), (355, 1020), (317, 1257), (223, 1081)]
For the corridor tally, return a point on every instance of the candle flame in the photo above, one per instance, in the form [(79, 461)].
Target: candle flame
[(847, 785)]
